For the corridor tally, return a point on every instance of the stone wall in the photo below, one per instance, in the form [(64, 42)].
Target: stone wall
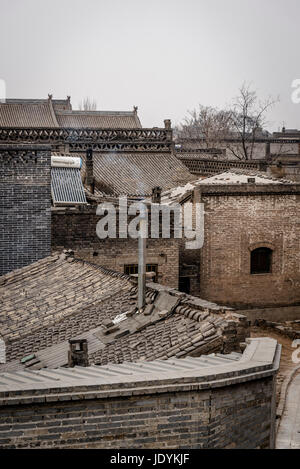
[(230, 406), (25, 203), (238, 221), (76, 229)]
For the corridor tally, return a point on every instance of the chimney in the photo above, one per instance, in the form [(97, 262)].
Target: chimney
[(167, 123), (156, 195), (268, 150), (78, 353), (89, 175)]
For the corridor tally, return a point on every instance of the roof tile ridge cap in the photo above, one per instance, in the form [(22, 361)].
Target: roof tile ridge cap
[(137, 120), (91, 112), (52, 112), (104, 270), (191, 313), (26, 268)]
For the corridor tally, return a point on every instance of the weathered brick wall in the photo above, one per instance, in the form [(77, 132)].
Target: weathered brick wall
[(235, 224), (25, 204), (77, 230), (237, 416), (201, 165)]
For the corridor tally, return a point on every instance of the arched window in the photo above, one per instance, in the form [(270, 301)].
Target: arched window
[(261, 261)]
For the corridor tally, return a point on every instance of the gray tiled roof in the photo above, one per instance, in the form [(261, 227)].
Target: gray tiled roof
[(99, 119), (56, 299), (135, 174), (27, 113), (50, 291)]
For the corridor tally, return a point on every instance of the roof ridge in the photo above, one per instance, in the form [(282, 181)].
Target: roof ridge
[(21, 270), (70, 112), (104, 270), (53, 113)]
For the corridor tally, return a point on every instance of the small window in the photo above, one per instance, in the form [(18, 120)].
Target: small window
[(261, 261), (131, 269)]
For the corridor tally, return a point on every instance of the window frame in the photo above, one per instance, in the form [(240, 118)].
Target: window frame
[(132, 269)]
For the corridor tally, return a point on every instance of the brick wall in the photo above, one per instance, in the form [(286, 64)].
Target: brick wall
[(229, 405), (200, 165), (25, 203), (76, 229), (234, 225), (237, 416)]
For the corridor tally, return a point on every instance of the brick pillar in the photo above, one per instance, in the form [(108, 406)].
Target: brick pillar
[(89, 174), (156, 195)]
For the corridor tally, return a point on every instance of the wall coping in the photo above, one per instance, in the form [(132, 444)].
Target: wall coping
[(248, 189), (259, 360), (24, 147)]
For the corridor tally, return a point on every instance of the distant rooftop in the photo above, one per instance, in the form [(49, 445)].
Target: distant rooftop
[(241, 177), (234, 177), (29, 113)]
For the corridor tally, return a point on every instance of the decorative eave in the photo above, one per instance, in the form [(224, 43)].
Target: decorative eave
[(97, 139)]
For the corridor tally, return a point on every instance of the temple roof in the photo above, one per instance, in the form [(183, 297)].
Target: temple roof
[(135, 174), (99, 119), (27, 113), (30, 113)]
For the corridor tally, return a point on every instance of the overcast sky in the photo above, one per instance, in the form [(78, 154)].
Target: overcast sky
[(165, 56)]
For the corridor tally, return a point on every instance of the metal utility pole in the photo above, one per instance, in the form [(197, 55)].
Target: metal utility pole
[(142, 256)]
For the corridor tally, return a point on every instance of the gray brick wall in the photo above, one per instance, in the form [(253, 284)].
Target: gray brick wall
[(25, 204), (237, 416)]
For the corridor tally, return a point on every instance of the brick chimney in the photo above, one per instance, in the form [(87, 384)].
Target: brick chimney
[(78, 353), (167, 123), (156, 195), (89, 173)]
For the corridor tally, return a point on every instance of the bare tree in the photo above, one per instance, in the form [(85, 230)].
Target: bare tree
[(207, 124), (88, 104), (236, 128), (247, 120)]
